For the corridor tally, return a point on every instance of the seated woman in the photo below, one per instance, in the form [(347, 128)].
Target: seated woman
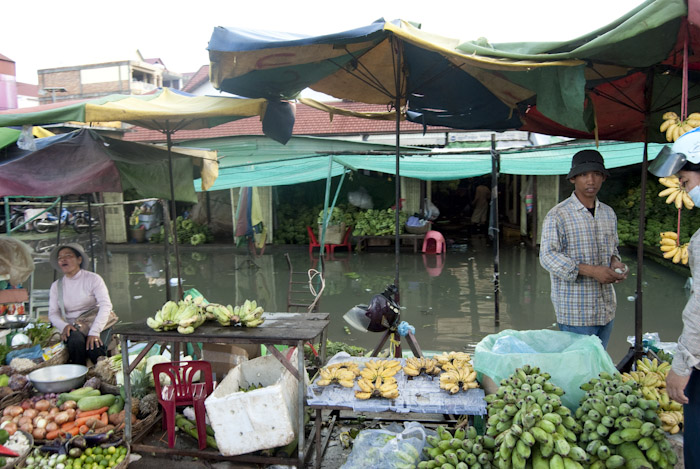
[(79, 305)]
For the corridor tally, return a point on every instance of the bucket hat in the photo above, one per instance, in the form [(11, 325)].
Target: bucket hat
[(74, 246), (585, 161)]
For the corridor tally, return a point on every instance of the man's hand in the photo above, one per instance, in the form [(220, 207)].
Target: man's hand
[(617, 265), (92, 342), (66, 332), (601, 273), (675, 387)]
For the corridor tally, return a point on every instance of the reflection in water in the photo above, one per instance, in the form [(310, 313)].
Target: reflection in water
[(451, 309)]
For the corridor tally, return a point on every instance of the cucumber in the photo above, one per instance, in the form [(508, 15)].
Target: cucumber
[(77, 394), (95, 402), (117, 406)]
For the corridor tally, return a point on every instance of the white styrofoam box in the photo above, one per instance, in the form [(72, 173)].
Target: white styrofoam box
[(259, 419)]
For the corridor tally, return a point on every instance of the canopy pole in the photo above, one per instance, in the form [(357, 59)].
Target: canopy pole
[(638, 352), (494, 229), (173, 209), (92, 241), (397, 179)]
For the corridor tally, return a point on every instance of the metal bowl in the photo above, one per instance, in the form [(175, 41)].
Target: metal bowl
[(13, 321), (58, 378)]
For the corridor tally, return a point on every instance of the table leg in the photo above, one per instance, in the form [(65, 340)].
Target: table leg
[(127, 389), (301, 381), (317, 426)]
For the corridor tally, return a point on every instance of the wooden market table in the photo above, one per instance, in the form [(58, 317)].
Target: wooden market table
[(419, 395), (292, 329), (388, 240)]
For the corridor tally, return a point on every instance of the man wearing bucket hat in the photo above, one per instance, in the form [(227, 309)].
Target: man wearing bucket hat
[(683, 380), (579, 249), (79, 305)]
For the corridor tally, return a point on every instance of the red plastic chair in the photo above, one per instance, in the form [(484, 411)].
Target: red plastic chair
[(433, 243), (182, 390), (313, 243)]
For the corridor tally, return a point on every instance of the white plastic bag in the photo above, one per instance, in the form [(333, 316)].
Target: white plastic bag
[(431, 211), (395, 446), (361, 199)]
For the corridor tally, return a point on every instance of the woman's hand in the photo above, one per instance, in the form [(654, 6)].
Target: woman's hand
[(66, 332), (675, 387), (92, 342)]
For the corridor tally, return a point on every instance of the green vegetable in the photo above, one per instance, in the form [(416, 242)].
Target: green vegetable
[(41, 333), (3, 436), (117, 406), (4, 380), (77, 394), (95, 402)]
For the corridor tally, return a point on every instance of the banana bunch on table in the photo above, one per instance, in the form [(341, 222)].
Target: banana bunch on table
[(455, 379), (185, 316), (249, 314), (674, 127), (674, 193), (671, 421), (377, 379), (417, 365), (338, 374), (672, 250)]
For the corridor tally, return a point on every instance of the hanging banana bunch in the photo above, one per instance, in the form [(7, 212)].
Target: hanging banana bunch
[(674, 127), (675, 193)]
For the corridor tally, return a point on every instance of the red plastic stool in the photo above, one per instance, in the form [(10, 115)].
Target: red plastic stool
[(434, 243), (182, 390)]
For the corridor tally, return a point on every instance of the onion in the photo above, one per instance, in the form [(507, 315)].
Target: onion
[(39, 433), (54, 410), (26, 404), (11, 427), (51, 426), (68, 405), (61, 418), (43, 404), (31, 413), (24, 419), (71, 413), (5, 418), (43, 413), (41, 422), (27, 427), (16, 418), (13, 410)]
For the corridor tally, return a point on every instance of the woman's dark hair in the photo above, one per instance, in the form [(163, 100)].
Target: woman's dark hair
[(691, 167)]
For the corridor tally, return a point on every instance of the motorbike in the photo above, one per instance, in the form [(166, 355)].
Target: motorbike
[(16, 219), (48, 221), (82, 221)]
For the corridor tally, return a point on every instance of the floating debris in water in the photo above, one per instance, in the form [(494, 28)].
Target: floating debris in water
[(631, 298), (346, 329), (138, 297)]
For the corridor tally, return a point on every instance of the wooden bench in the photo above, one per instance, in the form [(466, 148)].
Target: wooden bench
[(388, 240)]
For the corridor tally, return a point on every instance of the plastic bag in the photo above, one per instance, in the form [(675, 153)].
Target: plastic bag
[(571, 359), (396, 446), (510, 344), (431, 211), (361, 199), (26, 139), (15, 260)]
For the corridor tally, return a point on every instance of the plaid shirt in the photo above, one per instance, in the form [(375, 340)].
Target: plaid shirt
[(687, 356), (572, 236)]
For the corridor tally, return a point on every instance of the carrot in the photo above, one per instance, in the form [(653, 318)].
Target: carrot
[(83, 429), (90, 413), (53, 435), (68, 426), (104, 418)]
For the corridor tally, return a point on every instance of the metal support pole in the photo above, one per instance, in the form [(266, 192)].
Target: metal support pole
[(494, 227)]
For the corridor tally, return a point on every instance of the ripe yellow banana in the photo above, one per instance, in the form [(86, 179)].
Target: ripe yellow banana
[(671, 115), (670, 181), (684, 257), (677, 256), (670, 131), (671, 253), (669, 234), (671, 198), (687, 201)]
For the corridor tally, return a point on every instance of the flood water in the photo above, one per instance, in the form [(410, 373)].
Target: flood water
[(451, 306)]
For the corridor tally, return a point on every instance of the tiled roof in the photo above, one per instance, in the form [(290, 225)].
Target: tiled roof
[(199, 77), (309, 121), (27, 89), (5, 58)]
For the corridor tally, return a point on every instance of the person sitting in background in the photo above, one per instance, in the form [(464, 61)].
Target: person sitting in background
[(79, 305)]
